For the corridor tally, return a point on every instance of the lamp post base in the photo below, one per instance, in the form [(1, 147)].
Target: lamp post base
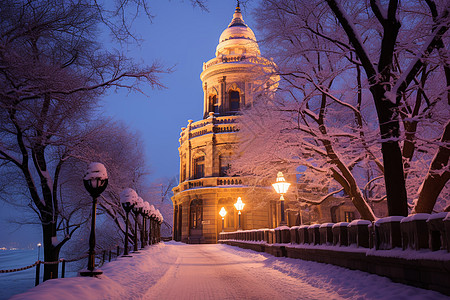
[(88, 273)]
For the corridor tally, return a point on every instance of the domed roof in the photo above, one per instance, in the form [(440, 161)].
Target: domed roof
[(237, 38)]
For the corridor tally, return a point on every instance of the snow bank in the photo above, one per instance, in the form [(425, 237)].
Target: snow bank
[(125, 278)]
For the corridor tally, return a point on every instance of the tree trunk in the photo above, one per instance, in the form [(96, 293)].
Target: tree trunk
[(436, 179), (394, 177), (51, 253)]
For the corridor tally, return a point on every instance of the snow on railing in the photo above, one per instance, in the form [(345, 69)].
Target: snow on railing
[(409, 233)]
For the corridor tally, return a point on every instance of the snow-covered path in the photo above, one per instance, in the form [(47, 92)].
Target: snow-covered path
[(210, 272), (179, 271)]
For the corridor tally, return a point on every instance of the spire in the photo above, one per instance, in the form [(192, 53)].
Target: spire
[(237, 17)]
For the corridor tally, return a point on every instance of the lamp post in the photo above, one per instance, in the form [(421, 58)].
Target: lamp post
[(137, 209), (223, 213), (281, 187), (39, 251), (95, 181), (239, 206), (128, 198), (144, 213), (152, 222)]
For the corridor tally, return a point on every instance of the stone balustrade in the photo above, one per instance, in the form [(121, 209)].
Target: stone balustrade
[(208, 182), (210, 125), (414, 232)]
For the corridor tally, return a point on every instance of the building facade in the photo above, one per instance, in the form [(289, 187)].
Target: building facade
[(231, 80)]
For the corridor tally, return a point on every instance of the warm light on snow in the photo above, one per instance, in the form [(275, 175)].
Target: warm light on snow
[(180, 271)]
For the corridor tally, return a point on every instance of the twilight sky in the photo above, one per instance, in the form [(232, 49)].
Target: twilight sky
[(184, 37), (181, 36)]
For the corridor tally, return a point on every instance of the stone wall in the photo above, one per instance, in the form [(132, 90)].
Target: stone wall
[(414, 250)]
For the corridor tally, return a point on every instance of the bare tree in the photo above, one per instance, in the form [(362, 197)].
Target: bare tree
[(52, 71), (406, 83)]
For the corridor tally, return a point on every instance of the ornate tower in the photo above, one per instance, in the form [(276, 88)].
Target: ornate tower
[(230, 80)]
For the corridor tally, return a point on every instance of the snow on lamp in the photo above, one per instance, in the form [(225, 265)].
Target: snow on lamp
[(239, 206), (281, 187), (95, 181), (128, 198)]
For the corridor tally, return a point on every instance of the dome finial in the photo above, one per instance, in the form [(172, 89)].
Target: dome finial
[(238, 8)]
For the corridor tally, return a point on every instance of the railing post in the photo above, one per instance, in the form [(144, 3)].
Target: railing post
[(109, 256), (38, 269), (63, 268)]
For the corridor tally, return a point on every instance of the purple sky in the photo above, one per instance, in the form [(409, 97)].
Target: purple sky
[(181, 36)]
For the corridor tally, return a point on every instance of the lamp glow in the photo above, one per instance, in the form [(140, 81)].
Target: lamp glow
[(281, 187), (239, 206), (223, 212)]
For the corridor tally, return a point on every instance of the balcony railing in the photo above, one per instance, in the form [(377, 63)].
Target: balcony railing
[(208, 182), (210, 125), (238, 58)]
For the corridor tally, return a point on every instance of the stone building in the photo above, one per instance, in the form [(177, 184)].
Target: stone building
[(230, 82)]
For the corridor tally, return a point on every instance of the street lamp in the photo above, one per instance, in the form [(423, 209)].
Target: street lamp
[(128, 198), (95, 181), (239, 206), (223, 213), (39, 251), (137, 209), (281, 187)]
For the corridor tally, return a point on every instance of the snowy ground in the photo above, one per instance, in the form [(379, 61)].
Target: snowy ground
[(179, 271)]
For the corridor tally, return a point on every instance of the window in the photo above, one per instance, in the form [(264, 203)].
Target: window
[(196, 214), (199, 167), (224, 166), (349, 216), (216, 104), (213, 104), (234, 100), (183, 172)]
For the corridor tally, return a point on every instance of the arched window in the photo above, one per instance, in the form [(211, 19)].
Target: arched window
[(235, 99), (199, 167), (213, 103)]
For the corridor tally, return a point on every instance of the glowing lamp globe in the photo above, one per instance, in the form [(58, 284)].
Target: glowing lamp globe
[(223, 212), (239, 204), (281, 186)]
